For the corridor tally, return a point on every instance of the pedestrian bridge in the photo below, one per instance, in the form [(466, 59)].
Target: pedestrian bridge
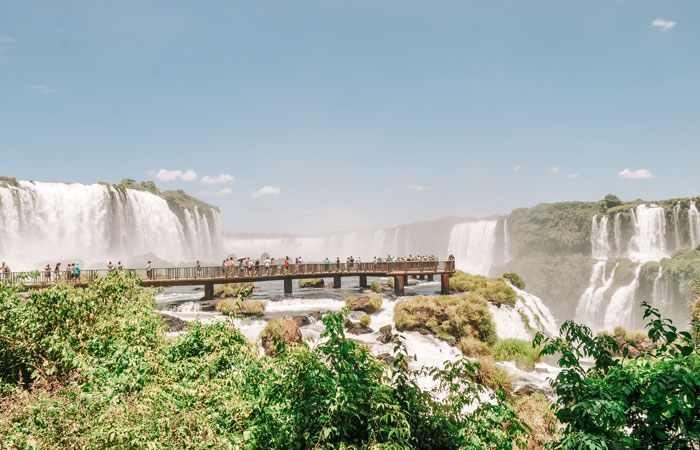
[(210, 276)]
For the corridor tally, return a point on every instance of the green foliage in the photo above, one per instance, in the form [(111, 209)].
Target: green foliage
[(311, 283), (516, 350), (450, 318), (92, 369), (367, 303), (536, 411), (473, 347), (376, 287), (230, 306), (493, 290), (611, 201), (650, 401), (515, 279), (390, 282), (232, 290), (365, 320)]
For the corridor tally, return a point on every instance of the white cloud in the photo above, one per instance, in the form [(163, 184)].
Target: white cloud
[(641, 173), (190, 175), (663, 25), (222, 178), (554, 169), (43, 89), (416, 188), (224, 191), (516, 168), (573, 175), (171, 175), (5, 41), (267, 190)]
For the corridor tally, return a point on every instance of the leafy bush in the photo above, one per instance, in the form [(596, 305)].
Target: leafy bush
[(495, 377), (650, 401), (536, 411), (367, 303), (365, 320), (311, 283), (515, 279), (375, 287), (518, 351), (473, 347), (493, 290), (232, 290), (231, 306), (390, 282), (447, 317)]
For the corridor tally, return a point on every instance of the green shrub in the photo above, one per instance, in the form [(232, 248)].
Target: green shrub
[(232, 290), (376, 287), (365, 320), (232, 306), (493, 290), (390, 282), (447, 317), (494, 376), (367, 303), (515, 279), (311, 283), (473, 347), (518, 351), (537, 412)]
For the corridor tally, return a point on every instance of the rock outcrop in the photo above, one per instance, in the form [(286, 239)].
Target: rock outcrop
[(285, 328)]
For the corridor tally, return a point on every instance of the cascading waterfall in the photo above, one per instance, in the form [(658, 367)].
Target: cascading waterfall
[(617, 234), (507, 254), (649, 240), (49, 222), (588, 310), (659, 294), (620, 308), (694, 223), (529, 315), (472, 245), (677, 225), (599, 237)]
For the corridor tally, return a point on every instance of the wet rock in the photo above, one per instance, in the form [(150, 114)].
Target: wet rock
[(366, 303), (356, 327), (385, 335), (285, 328), (301, 320), (316, 315), (386, 357), (423, 331), (528, 389), (175, 323)]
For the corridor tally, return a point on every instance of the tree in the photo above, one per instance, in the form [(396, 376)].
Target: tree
[(611, 201)]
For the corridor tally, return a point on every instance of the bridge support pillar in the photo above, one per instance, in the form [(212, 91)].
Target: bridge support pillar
[(430, 278), (445, 284), (399, 283), (288, 286), (336, 282), (421, 277), (363, 281), (208, 291)]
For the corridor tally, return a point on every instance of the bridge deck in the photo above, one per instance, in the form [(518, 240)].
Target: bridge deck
[(209, 276)]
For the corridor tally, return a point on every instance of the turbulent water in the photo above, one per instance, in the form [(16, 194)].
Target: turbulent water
[(472, 245), (51, 222)]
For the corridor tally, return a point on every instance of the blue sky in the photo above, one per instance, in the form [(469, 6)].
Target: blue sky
[(346, 114)]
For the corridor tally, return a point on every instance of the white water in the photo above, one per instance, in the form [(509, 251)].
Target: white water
[(649, 240), (617, 233), (619, 311), (507, 252), (599, 237), (509, 320), (694, 223), (70, 222), (472, 245), (677, 225), (588, 310)]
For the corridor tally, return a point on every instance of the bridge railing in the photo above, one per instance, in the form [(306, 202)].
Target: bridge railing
[(238, 271)]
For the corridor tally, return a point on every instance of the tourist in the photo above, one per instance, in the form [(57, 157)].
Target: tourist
[(149, 274), (47, 273), (3, 270), (358, 261), (199, 269), (110, 267), (257, 266), (76, 271), (266, 264), (337, 263), (57, 272), (286, 264), (120, 266)]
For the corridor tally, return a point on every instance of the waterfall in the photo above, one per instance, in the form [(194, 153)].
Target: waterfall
[(649, 240), (659, 296), (694, 222), (617, 233), (70, 222), (600, 247), (588, 310), (620, 308), (472, 245), (378, 243), (677, 225), (507, 254)]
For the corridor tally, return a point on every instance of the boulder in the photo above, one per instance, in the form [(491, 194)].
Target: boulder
[(367, 303), (316, 315), (385, 335), (175, 323), (356, 327), (301, 320), (386, 357), (285, 328), (311, 283)]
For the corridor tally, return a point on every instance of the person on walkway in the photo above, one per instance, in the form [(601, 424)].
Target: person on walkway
[(4, 270), (199, 269), (120, 266), (57, 273), (337, 263), (266, 264), (110, 267), (76, 271), (286, 264), (47, 273), (149, 273)]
